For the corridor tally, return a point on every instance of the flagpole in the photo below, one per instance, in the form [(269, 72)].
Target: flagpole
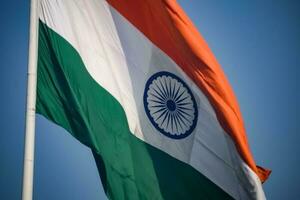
[(31, 101)]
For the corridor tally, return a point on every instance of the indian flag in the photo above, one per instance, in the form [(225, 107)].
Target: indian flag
[(135, 81)]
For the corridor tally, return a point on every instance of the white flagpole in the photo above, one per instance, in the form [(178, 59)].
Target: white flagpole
[(31, 100)]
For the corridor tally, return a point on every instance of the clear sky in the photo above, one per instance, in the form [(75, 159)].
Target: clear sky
[(256, 42)]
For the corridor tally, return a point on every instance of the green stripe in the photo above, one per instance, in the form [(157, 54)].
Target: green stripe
[(130, 168)]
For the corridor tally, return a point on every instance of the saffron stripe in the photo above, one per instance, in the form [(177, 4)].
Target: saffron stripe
[(168, 27)]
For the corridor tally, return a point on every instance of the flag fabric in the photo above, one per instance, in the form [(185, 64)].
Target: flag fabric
[(135, 81)]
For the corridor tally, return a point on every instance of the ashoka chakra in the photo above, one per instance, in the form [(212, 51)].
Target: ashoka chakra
[(170, 105)]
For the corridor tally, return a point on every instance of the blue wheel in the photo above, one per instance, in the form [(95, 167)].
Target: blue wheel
[(170, 105)]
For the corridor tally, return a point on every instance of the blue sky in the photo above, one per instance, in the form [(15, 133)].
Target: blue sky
[(256, 42)]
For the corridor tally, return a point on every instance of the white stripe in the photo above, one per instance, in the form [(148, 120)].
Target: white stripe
[(121, 59)]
